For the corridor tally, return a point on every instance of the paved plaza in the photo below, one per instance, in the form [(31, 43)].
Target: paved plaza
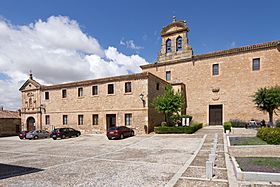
[(93, 160)]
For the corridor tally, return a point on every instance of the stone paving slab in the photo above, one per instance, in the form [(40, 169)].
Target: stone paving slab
[(199, 183), (200, 172)]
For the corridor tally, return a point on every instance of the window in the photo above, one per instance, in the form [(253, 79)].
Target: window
[(65, 119), (94, 90), (157, 86), (256, 64), (127, 87), (80, 119), (168, 75), (215, 69), (64, 93), (168, 46), (47, 119), (110, 88), (80, 92), (47, 95), (128, 119), (179, 44), (95, 119)]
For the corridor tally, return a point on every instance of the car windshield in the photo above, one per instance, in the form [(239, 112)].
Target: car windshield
[(114, 128)]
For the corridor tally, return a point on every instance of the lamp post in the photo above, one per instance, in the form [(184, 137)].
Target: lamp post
[(141, 96)]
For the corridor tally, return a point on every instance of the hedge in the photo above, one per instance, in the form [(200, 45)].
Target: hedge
[(178, 130), (270, 135), (227, 126), (238, 123)]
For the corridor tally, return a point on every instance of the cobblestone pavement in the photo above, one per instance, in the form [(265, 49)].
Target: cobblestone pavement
[(95, 161), (195, 174)]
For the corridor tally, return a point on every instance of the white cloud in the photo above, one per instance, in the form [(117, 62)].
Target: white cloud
[(56, 50), (130, 44), (233, 44)]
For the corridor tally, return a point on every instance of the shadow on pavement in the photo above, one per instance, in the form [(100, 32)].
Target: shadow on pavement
[(7, 171)]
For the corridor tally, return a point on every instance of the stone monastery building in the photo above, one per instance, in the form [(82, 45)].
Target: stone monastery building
[(217, 86)]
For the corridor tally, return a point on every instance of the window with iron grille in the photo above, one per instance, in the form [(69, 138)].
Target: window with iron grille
[(127, 87), (47, 119), (215, 69), (64, 93), (110, 88), (80, 119), (80, 92), (256, 63), (94, 90), (47, 95), (168, 75), (128, 119), (95, 119), (65, 119)]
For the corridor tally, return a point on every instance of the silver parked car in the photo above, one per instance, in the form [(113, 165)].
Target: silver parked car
[(37, 134)]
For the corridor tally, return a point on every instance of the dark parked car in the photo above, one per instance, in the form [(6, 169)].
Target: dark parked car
[(64, 133), (36, 134), (22, 134), (119, 132)]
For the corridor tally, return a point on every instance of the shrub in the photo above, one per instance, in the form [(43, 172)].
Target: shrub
[(277, 123), (238, 123), (270, 135), (178, 130), (227, 126)]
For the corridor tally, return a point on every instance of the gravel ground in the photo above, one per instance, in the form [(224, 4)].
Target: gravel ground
[(93, 160)]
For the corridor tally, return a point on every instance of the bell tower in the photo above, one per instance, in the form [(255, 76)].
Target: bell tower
[(175, 43)]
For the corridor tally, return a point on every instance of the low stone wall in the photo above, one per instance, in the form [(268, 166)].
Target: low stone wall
[(255, 151)]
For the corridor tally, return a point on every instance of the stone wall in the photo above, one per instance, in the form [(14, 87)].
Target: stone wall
[(236, 82), (10, 127)]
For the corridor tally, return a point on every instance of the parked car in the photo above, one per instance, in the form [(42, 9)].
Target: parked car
[(22, 134), (36, 134), (119, 132), (64, 133)]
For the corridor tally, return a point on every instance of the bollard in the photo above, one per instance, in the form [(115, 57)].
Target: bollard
[(212, 157), (209, 169), (213, 150)]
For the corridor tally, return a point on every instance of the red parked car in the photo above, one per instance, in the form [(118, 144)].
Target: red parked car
[(22, 134), (119, 132)]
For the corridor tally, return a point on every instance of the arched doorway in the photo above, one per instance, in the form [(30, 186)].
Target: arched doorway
[(30, 124)]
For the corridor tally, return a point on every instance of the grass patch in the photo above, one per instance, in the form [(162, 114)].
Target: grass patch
[(246, 141), (259, 164)]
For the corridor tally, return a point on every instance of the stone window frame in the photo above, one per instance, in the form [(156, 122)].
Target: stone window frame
[(168, 75), (128, 89), (64, 119), (64, 93), (97, 90), (95, 119), (80, 92), (256, 64), (113, 93), (47, 119), (128, 119), (80, 119), (47, 95), (215, 72)]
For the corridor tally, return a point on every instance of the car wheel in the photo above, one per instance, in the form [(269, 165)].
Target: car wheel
[(36, 137), (121, 136), (132, 133), (54, 138), (63, 136), (109, 138), (78, 134)]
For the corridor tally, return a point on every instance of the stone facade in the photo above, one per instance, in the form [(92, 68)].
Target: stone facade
[(10, 122), (50, 111), (234, 85)]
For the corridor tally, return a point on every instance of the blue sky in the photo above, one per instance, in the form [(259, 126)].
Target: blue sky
[(71, 40), (214, 25)]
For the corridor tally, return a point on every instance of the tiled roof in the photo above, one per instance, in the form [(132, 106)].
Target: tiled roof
[(9, 114), (226, 52)]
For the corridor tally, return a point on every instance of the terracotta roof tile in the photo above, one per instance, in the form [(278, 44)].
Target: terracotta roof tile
[(9, 114)]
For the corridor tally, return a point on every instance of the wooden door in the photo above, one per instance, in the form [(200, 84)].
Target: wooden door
[(215, 114)]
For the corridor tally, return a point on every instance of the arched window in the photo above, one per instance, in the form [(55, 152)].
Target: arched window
[(168, 46), (179, 43)]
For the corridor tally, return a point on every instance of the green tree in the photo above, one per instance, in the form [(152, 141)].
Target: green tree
[(268, 100), (169, 103)]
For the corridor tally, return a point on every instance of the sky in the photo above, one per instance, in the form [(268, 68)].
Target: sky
[(71, 40)]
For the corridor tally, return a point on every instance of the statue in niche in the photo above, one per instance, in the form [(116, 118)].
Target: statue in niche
[(30, 103)]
